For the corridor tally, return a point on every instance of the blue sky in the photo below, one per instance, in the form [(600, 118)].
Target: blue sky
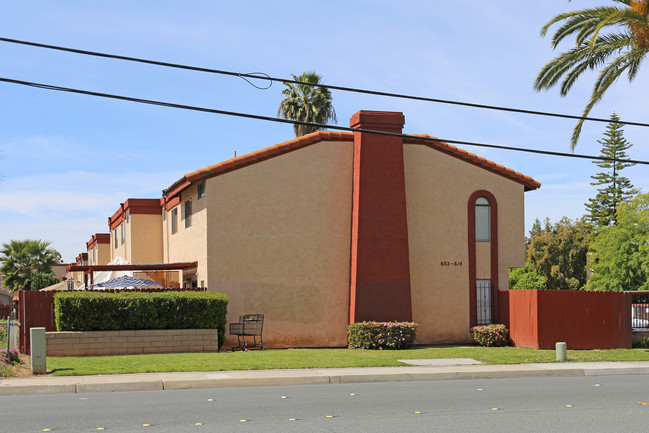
[(68, 160)]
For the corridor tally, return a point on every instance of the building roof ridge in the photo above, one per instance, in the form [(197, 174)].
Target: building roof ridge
[(424, 139), (255, 156), (318, 136)]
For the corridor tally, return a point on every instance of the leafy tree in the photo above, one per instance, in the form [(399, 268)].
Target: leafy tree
[(40, 280), (306, 103), (558, 254), (620, 254), (20, 259), (535, 231), (615, 188), (525, 278), (619, 51)]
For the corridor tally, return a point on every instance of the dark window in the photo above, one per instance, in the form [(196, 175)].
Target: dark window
[(482, 220), (174, 220), (188, 213)]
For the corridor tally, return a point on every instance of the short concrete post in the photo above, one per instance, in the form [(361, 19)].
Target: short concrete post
[(561, 352), (38, 345)]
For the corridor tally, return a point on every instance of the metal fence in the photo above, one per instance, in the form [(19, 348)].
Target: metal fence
[(483, 304), (640, 310), (8, 333)]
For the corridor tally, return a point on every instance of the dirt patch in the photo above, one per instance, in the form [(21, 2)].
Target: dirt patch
[(24, 369)]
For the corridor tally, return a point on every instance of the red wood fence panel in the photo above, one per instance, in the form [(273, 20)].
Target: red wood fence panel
[(522, 318), (583, 320), (5, 310), (35, 310)]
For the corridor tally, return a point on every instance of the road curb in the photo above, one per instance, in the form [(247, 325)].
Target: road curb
[(230, 379)]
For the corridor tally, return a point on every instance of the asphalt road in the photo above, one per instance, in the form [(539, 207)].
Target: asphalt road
[(576, 404)]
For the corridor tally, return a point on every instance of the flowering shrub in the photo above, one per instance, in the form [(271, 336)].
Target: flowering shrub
[(491, 335), (381, 335), (8, 358)]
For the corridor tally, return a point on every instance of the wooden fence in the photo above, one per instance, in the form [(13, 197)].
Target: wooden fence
[(539, 319), (5, 310), (36, 310)]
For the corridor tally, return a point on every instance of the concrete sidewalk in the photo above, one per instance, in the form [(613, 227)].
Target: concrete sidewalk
[(223, 379)]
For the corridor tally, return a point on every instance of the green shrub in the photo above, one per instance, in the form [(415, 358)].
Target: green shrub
[(524, 279), (491, 335), (96, 311), (41, 280), (381, 335), (8, 358), (641, 344)]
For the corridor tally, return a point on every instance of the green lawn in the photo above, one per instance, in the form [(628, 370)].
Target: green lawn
[(317, 358)]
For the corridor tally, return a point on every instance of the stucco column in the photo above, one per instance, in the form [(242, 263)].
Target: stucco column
[(380, 266)]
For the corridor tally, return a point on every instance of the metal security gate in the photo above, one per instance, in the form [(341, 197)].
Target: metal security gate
[(483, 301)]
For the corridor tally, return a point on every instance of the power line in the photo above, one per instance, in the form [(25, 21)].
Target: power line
[(298, 122), (263, 76)]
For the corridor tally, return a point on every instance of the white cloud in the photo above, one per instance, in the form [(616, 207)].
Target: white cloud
[(68, 208)]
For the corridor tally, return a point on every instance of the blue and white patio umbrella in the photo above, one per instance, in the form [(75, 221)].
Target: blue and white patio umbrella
[(126, 281)]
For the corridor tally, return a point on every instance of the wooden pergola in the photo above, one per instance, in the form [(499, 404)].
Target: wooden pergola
[(89, 270)]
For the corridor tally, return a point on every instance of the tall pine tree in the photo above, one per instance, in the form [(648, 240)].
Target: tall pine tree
[(614, 188)]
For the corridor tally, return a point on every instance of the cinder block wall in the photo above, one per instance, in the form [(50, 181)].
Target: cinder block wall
[(96, 343)]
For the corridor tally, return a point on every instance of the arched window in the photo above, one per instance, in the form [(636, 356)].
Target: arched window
[(482, 220)]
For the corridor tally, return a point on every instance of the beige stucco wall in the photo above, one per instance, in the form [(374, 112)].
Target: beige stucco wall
[(99, 254), (279, 243), (102, 254), (188, 244), (144, 239), (438, 188), (116, 246)]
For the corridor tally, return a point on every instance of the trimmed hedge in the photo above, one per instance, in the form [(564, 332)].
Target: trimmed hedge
[(494, 335), (93, 311), (381, 335)]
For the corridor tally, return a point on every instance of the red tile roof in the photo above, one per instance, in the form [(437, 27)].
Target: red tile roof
[(318, 136), (268, 152), (529, 183), (253, 157)]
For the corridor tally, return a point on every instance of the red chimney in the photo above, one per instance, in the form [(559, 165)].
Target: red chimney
[(380, 265)]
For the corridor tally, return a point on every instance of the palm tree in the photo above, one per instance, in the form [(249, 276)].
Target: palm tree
[(618, 51), (306, 103), (19, 260)]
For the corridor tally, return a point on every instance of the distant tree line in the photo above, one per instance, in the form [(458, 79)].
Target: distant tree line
[(27, 265), (608, 248)]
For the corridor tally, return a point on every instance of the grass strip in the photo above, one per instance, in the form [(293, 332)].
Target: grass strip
[(317, 358)]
